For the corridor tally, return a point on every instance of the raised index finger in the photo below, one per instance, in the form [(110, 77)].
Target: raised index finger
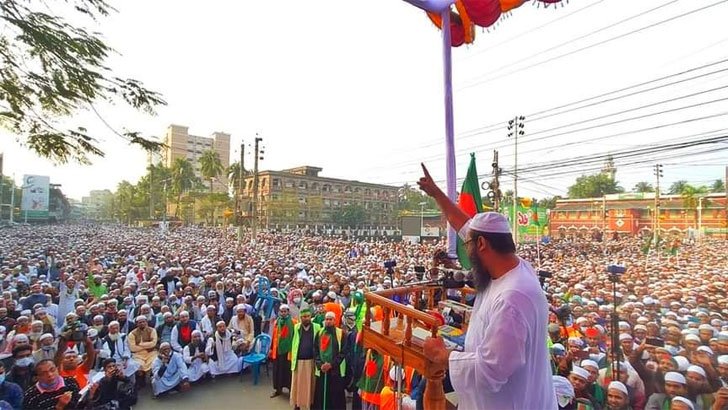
[(424, 169)]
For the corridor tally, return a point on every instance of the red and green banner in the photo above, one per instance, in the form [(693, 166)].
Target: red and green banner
[(470, 202)]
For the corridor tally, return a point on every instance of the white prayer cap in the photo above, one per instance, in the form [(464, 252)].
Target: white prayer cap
[(219, 322), (589, 363), (682, 363), (167, 314), (113, 323), (491, 222), (625, 336), (697, 369), (640, 327), (619, 386), (196, 332), (723, 359), (45, 336), (165, 344), (393, 373), (684, 401), (706, 349), (563, 388), (584, 374), (692, 338), (675, 377), (331, 295), (140, 317), (330, 315), (238, 308), (284, 306), (706, 326)]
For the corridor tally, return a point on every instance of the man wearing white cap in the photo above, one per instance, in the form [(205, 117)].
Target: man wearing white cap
[(681, 403), (142, 343), (579, 378), (505, 363), (723, 369), (169, 370), (675, 385), (618, 396), (223, 359), (593, 388), (195, 357)]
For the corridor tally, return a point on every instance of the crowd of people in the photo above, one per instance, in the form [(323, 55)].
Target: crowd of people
[(104, 316)]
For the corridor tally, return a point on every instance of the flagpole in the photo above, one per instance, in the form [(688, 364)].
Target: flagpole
[(449, 124)]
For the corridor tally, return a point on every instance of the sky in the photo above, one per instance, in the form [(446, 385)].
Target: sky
[(356, 88)]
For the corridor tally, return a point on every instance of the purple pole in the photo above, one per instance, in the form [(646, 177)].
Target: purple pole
[(449, 124)]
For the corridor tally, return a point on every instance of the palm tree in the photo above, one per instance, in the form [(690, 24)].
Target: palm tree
[(183, 179), (644, 187), (690, 195), (210, 166)]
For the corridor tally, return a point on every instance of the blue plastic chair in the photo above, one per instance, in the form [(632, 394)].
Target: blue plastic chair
[(258, 355)]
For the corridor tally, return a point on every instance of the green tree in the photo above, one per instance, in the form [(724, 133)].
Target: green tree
[(125, 200), (351, 215), (151, 188), (548, 203), (410, 197), (718, 186), (643, 187), (50, 68), (183, 179), (210, 166), (677, 187), (690, 195), (593, 186), (212, 205)]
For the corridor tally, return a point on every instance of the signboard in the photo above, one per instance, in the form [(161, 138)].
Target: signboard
[(530, 226), (430, 231), (36, 196)]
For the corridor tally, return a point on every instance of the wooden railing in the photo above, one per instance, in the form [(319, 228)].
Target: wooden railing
[(397, 339)]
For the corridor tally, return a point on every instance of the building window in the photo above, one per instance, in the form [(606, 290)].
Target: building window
[(289, 184), (302, 185), (337, 189), (276, 182), (325, 188)]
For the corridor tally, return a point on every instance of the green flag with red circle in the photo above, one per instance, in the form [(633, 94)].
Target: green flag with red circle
[(470, 202)]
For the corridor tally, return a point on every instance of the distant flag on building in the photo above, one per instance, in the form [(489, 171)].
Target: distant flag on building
[(470, 202)]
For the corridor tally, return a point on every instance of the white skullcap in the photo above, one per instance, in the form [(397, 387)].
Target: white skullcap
[(706, 349), (618, 386), (705, 326), (284, 306), (584, 374), (45, 336), (589, 363), (682, 363), (697, 369), (165, 344), (331, 295), (393, 373), (563, 387), (675, 377), (692, 338), (640, 327), (723, 359), (239, 308), (330, 315), (684, 401), (196, 332), (625, 336), (167, 314), (218, 322), (491, 222)]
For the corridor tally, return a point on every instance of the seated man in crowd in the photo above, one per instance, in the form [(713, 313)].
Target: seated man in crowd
[(164, 330), (115, 347), (169, 371), (114, 389), (243, 332), (10, 392), (71, 364), (143, 345), (196, 358), (182, 332), (223, 359)]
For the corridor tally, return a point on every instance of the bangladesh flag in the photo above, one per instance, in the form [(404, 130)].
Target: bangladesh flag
[(470, 202)]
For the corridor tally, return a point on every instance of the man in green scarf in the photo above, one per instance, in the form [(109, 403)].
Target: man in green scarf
[(330, 355), (281, 351)]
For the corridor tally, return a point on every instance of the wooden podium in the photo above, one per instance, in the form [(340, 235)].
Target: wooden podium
[(401, 330)]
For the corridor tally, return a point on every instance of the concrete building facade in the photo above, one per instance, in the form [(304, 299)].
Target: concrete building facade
[(96, 206), (181, 144), (300, 198)]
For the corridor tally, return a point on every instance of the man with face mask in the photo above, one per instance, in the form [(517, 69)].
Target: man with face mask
[(302, 363), (21, 372), (10, 392), (505, 363), (195, 357)]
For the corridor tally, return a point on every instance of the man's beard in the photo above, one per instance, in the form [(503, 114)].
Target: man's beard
[(481, 276), (114, 336)]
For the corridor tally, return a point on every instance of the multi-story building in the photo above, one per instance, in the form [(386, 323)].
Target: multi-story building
[(634, 213), (300, 198), (181, 144), (97, 205)]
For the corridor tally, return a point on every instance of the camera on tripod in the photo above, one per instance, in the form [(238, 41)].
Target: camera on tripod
[(615, 271)]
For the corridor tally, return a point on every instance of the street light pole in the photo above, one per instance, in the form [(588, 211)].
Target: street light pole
[(700, 218)]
